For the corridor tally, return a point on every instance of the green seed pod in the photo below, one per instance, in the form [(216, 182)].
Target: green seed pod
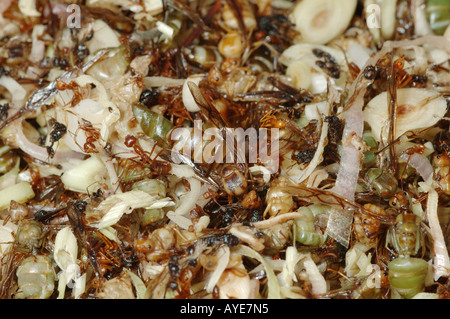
[(405, 236), (305, 232), (407, 277), (115, 63), (384, 183), (135, 173), (151, 216), (277, 236), (369, 158), (370, 140), (153, 124), (29, 234), (438, 12), (404, 171), (155, 188)]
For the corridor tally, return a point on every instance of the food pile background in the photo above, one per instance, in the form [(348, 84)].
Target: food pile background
[(354, 96)]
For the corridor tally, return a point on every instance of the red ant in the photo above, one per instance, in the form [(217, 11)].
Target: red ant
[(354, 70), (178, 113), (77, 97), (401, 76), (157, 167), (110, 255), (131, 141), (92, 135)]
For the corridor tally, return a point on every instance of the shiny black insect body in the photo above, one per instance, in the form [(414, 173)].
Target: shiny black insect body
[(227, 239), (370, 72), (4, 111), (56, 134), (327, 63)]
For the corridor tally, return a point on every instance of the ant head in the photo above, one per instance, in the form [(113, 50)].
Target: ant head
[(130, 140), (399, 63)]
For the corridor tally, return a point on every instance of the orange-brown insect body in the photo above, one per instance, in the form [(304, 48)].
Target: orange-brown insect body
[(77, 97), (402, 77)]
